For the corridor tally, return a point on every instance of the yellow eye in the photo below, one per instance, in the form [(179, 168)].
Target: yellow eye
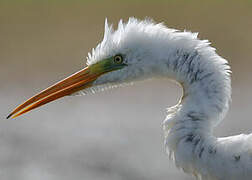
[(118, 59)]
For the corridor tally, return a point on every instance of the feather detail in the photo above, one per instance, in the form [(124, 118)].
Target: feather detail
[(153, 50)]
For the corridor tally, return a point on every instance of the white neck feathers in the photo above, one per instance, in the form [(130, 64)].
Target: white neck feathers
[(205, 78)]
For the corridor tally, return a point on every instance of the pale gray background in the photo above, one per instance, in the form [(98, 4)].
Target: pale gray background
[(113, 135)]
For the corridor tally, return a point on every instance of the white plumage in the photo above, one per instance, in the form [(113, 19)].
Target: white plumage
[(139, 50), (153, 50)]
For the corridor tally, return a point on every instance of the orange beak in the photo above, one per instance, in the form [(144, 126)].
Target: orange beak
[(71, 84), (76, 82)]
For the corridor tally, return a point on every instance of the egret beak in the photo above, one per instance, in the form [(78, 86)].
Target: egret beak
[(76, 82)]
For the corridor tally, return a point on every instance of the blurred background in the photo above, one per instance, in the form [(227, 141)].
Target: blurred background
[(112, 135)]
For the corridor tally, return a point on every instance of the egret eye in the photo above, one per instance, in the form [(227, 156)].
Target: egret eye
[(118, 59)]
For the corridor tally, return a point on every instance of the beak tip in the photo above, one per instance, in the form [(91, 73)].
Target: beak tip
[(8, 116)]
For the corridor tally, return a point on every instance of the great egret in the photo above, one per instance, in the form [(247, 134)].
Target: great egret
[(139, 50)]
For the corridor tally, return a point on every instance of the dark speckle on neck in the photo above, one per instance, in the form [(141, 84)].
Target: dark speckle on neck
[(237, 158), (190, 138), (201, 151), (211, 150)]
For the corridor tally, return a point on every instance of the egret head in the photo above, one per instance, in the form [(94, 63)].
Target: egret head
[(143, 47), (123, 55), (133, 45)]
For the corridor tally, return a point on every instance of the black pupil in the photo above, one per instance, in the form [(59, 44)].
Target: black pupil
[(118, 59)]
